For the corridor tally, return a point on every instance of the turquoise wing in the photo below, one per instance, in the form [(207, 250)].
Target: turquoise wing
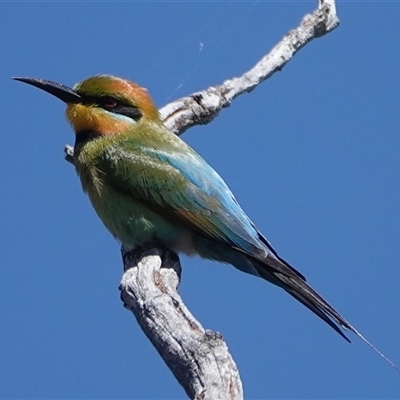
[(178, 183)]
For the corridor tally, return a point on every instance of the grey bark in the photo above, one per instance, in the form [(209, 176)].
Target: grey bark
[(199, 358)]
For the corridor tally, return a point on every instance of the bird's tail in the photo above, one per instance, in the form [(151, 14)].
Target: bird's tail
[(279, 272)]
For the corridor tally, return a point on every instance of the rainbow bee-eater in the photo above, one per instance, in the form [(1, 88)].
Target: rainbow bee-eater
[(150, 188)]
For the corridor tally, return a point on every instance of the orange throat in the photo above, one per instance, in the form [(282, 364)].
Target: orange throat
[(84, 117)]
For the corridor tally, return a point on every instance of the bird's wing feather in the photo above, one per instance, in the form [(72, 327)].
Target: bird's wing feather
[(183, 183)]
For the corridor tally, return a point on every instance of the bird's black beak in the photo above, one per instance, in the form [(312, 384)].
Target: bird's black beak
[(59, 90)]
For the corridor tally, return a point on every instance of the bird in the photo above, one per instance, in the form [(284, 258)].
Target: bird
[(149, 187)]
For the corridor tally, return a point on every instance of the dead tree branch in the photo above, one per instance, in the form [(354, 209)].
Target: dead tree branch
[(198, 358)]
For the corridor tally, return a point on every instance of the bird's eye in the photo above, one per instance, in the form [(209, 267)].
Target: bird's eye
[(109, 103)]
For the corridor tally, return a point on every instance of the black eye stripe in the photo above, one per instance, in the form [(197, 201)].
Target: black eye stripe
[(100, 101), (113, 105), (109, 102), (128, 111)]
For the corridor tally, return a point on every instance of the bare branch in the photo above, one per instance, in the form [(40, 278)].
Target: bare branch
[(202, 107), (69, 153), (198, 358)]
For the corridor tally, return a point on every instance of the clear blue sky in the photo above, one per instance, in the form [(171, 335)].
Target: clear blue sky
[(312, 155)]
